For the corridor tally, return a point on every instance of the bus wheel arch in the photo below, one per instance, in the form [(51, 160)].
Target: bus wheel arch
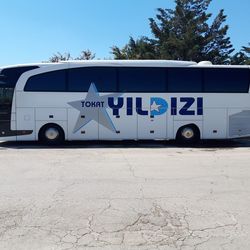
[(188, 134), (51, 134)]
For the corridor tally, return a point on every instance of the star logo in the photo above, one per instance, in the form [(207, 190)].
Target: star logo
[(158, 106), (155, 107), (93, 108)]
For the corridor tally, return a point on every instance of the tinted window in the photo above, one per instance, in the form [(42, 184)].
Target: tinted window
[(50, 81), (142, 80), (184, 80), (226, 80), (6, 96), (10, 76), (104, 79)]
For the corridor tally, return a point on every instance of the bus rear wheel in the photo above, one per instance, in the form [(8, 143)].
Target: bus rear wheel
[(189, 134), (51, 134)]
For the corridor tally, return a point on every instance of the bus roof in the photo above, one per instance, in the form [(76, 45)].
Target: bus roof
[(130, 63)]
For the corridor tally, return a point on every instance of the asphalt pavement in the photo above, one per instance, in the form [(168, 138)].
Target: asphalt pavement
[(125, 195)]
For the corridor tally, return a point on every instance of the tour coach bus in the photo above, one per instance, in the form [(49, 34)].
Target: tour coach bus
[(124, 100)]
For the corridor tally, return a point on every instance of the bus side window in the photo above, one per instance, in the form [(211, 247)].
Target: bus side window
[(226, 80), (187, 80), (104, 78), (145, 80), (54, 81)]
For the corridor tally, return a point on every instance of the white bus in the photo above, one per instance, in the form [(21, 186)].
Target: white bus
[(124, 100)]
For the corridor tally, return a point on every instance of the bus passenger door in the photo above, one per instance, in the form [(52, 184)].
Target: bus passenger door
[(6, 115)]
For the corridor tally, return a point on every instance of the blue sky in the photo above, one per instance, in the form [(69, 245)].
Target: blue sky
[(31, 31)]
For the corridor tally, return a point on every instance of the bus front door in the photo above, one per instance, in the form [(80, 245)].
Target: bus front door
[(6, 98)]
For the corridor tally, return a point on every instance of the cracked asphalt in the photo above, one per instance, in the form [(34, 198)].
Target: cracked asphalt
[(128, 196)]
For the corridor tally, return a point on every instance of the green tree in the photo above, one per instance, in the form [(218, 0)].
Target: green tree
[(85, 55), (60, 57), (136, 49), (242, 57), (246, 51), (183, 33)]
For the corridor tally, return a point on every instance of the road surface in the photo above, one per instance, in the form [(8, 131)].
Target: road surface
[(135, 196)]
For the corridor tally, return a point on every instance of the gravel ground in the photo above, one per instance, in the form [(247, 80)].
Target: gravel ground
[(135, 196)]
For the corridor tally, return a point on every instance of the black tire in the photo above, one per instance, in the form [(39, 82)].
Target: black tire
[(51, 134), (188, 135)]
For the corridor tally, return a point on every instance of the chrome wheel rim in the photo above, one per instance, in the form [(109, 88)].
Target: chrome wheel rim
[(51, 133), (188, 133)]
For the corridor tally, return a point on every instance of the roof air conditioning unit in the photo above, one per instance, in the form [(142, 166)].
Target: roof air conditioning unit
[(204, 63)]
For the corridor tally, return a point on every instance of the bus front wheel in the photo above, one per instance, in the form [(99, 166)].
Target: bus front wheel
[(189, 134), (51, 134)]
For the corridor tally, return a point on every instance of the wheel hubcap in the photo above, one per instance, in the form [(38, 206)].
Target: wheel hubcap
[(187, 133), (52, 133)]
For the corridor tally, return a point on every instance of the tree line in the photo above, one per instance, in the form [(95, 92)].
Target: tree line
[(186, 32)]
